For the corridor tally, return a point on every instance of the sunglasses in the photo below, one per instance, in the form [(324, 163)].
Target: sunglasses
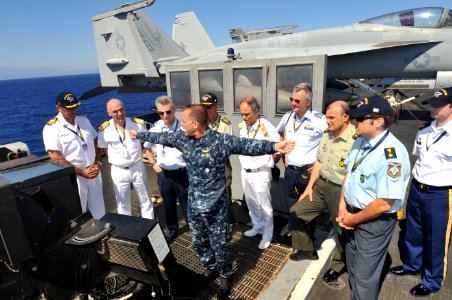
[(207, 106), (296, 100), (168, 112), (361, 119)]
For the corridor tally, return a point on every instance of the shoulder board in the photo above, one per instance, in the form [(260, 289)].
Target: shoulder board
[(390, 153), (242, 124), (51, 122), (103, 126), (138, 121), (425, 125), (225, 120), (318, 115), (263, 129)]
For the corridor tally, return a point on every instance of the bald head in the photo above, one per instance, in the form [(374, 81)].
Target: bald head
[(114, 102), (340, 105), (336, 117), (116, 110)]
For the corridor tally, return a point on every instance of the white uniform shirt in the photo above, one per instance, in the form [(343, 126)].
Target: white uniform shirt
[(434, 166), (168, 158), (122, 151), (306, 132), (76, 143), (261, 130)]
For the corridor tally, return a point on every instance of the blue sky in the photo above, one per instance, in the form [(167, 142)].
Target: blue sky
[(49, 37)]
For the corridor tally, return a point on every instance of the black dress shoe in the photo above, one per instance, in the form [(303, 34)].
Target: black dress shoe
[(302, 255), (420, 291), (225, 287), (400, 271), (331, 275), (211, 274)]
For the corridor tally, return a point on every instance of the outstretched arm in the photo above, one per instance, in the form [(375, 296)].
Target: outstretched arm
[(284, 146)]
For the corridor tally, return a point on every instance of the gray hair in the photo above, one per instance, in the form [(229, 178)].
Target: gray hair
[(164, 100), (251, 102), (306, 87)]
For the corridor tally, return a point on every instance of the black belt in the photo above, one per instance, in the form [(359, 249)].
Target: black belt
[(330, 182), (426, 187), (175, 170), (353, 209), (298, 168), (251, 170)]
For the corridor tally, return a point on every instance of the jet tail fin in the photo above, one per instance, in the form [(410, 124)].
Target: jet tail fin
[(130, 46), (189, 34)]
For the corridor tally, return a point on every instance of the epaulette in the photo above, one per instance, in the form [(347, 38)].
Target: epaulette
[(225, 120), (263, 129), (425, 125), (242, 124), (51, 122), (103, 126), (318, 115), (138, 121)]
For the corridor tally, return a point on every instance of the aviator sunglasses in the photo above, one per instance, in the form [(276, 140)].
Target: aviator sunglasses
[(361, 119), (168, 112)]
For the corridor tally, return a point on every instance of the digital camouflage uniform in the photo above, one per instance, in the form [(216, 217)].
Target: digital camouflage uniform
[(207, 199), (223, 125)]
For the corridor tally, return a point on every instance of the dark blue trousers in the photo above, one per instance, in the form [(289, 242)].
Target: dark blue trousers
[(290, 177), (428, 227), (173, 185)]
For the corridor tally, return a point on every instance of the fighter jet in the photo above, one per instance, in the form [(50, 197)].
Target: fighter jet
[(400, 50)]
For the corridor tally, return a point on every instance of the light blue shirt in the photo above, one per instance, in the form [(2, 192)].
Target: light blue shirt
[(383, 173), (168, 158)]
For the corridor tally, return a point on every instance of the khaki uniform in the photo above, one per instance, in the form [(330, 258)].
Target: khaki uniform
[(332, 154)]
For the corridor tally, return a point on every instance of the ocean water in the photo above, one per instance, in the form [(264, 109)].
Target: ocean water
[(27, 104)]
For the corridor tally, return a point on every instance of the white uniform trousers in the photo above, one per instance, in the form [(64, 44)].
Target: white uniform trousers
[(91, 195), (256, 185), (136, 175)]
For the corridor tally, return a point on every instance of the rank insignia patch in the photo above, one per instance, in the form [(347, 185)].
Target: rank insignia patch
[(394, 169), (390, 153)]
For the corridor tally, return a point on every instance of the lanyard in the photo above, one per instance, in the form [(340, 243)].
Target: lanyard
[(215, 125), (357, 163), (437, 139), (77, 133), (123, 134), (255, 131), (175, 128)]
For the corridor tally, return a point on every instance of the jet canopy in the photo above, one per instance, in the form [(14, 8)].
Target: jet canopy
[(426, 17)]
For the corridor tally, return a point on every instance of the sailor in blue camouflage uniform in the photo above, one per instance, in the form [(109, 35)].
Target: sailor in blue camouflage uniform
[(378, 171), (429, 205), (205, 151)]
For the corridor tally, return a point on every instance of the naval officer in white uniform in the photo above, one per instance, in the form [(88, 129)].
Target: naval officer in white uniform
[(125, 156), (72, 140), (256, 171)]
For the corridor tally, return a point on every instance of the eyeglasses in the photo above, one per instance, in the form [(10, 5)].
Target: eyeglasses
[(207, 106), (361, 119), (296, 100), (168, 112)]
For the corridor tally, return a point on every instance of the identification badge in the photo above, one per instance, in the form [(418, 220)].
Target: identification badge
[(361, 178), (85, 147)]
